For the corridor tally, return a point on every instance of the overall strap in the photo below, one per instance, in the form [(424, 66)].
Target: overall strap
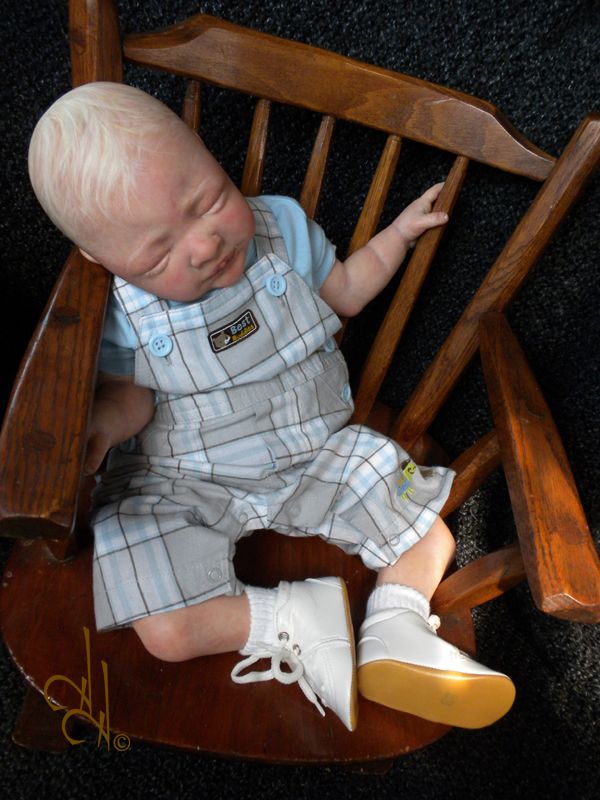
[(268, 238)]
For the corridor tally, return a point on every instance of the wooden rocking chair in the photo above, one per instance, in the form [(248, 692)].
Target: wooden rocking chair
[(108, 679)]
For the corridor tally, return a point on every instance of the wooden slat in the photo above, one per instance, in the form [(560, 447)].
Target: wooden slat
[(561, 561), (191, 105), (472, 468), (315, 174), (257, 149), (514, 263), (44, 433), (291, 72), (394, 323), (377, 194), (481, 580), (95, 42)]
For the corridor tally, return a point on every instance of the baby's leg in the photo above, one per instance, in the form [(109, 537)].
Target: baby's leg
[(306, 617), (219, 625), (403, 664), (423, 566)]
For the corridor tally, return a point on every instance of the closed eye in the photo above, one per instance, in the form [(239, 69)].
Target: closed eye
[(157, 268), (217, 205)]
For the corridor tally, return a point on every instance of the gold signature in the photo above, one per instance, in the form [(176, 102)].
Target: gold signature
[(120, 741)]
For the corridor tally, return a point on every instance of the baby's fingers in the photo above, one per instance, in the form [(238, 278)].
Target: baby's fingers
[(431, 195), (432, 219)]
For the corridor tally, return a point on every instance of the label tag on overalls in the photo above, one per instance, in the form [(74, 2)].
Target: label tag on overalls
[(233, 332), (404, 488)]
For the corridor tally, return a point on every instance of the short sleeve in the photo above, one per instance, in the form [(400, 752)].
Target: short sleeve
[(311, 253), (117, 353)]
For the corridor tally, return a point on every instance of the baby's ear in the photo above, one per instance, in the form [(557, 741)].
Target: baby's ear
[(88, 256)]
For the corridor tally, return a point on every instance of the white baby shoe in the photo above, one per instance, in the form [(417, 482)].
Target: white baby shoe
[(403, 664), (316, 641)]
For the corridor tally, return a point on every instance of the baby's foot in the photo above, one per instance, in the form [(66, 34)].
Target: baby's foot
[(316, 640)]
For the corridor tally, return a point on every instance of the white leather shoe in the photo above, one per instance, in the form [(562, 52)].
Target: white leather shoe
[(316, 641), (403, 664)]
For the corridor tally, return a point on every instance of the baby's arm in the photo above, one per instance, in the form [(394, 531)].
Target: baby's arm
[(121, 409), (353, 283)]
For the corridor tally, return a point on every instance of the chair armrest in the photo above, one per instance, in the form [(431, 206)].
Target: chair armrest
[(558, 552), (43, 438)]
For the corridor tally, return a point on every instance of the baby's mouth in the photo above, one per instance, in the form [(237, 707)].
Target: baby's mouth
[(222, 265)]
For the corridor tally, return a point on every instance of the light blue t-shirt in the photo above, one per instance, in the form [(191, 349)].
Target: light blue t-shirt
[(311, 255)]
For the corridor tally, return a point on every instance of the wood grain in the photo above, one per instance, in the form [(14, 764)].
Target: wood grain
[(44, 434), (563, 568), (298, 74), (257, 150), (315, 173)]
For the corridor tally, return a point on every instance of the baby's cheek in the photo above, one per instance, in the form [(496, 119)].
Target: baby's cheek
[(238, 217)]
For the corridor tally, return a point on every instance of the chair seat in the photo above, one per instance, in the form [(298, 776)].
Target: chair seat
[(45, 603)]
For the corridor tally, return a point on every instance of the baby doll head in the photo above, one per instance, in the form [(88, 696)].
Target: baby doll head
[(86, 150), (135, 188)]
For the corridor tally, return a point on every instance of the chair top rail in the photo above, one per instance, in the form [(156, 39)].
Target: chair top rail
[(294, 73)]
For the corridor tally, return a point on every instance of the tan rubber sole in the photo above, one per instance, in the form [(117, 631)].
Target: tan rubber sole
[(353, 688), (451, 698)]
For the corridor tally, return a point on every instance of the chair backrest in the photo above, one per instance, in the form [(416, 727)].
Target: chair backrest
[(45, 426)]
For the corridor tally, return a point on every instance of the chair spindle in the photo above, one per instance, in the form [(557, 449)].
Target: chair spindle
[(391, 329), (377, 195), (315, 174), (191, 105), (257, 148), (472, 468)]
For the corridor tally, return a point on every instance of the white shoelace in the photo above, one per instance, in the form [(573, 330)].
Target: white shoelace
[(278, 657)]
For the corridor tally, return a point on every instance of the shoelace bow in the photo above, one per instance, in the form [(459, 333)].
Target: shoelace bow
[(278, 657)]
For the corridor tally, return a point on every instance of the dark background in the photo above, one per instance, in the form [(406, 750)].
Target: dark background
[(537, 62)]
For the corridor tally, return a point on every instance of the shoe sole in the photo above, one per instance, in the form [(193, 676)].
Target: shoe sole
[(451, 698), (353, 688)]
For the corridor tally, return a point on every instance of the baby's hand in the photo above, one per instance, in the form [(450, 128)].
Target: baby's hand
[(418, 216), (97, 448)]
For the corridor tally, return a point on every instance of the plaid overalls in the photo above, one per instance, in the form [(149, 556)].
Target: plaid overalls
[(249, 433)]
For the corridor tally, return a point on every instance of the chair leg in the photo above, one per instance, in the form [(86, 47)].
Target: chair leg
[(38, 727)]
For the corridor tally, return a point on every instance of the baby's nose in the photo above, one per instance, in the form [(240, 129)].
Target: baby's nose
[(204, 248)]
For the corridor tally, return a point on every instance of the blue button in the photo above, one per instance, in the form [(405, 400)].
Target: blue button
[(346, 393), (276, 285), (215, 575), (329, 345), (160, 345), (129, 445)]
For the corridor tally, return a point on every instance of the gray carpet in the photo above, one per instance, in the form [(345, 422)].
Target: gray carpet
[(537, 62)]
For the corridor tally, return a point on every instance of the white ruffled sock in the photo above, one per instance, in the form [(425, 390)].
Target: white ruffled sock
[(397, 595), (262, 620)]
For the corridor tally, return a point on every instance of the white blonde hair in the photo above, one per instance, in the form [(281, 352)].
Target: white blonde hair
[(86, 149)]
